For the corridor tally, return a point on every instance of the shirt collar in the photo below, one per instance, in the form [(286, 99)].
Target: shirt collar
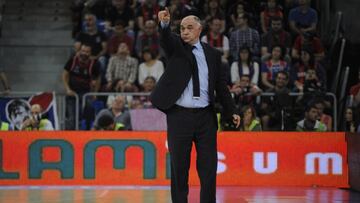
[(198, 45)]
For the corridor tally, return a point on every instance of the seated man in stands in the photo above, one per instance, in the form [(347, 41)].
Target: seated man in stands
[(275, 36), (242, 88), (106, 122), (271, 107), (36, 121), (310, 122), (118, 112), (310, 41), (122, 69), (303, 18)]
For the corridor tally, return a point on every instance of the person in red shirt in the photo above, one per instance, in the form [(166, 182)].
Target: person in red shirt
[(355, 93), (118, 37), (311, 40)]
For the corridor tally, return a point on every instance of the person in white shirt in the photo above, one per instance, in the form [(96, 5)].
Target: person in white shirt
[(150, 67), (245, 66)]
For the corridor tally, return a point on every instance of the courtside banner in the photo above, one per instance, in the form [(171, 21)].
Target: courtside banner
[(141, 158)]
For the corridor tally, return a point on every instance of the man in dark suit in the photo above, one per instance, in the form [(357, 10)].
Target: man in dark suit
[(186, 93)]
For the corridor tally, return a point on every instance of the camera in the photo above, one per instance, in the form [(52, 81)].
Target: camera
[(36, 117)]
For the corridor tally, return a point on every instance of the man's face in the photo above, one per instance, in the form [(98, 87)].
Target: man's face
[(123, 48), (305, 57), (312, 114), (241, 21), (89, 22), (118, 103), (119, 29), (276, 53), (150, 27), (244, 81), (118, 3), (311, 74), (85, 52), (303, 2), (276, 25), (190, 30), (281, 80), (271, 3)]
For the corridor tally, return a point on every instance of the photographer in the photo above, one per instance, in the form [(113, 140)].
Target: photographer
[(36, 121), (244, 92)]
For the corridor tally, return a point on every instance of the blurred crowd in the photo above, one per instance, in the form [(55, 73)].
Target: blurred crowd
[(270, 49)]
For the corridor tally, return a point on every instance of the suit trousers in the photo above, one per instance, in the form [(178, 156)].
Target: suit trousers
[(186, 126)]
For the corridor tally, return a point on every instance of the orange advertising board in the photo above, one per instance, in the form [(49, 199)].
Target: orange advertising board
[(141, 158)]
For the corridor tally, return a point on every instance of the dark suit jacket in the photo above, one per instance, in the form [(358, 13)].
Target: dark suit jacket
[(179, 70)]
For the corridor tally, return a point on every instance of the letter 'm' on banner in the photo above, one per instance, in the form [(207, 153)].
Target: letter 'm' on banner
[(119, 148), (324, 160)]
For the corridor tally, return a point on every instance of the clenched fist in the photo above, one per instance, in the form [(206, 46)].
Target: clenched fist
[(164, 15)]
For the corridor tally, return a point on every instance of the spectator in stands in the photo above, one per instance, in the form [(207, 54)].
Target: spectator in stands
[(81, 75), (117, 111), (311, 41), (147, 87), (213, 10), (351, 120), (310, 122), (275, 36), (303, 19), (271, 107), (36, 121), (4, 82), (272, 10), (217, 39), (106, 123), (96, 39), (299, 69), (323, 117), (150, 67), (149, 84), (234, 11), (312, 83), (249, 122), (177, 9), (273, 66), (122, 69), (245, 66), (145, 12), (244, 36), (149, 38), (119, 35), (355, 92), (241, 88), (120, 10)]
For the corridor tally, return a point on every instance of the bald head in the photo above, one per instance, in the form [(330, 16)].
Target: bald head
[(36, 109), (190, 29)]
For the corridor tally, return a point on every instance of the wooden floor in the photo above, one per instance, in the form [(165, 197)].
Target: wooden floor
[(134, 194)]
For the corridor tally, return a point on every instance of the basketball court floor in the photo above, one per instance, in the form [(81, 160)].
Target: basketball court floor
[(143, 194)]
